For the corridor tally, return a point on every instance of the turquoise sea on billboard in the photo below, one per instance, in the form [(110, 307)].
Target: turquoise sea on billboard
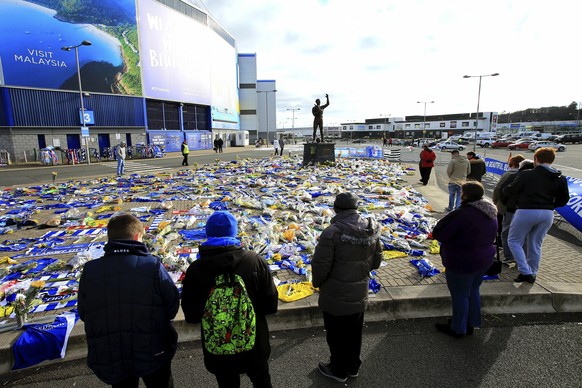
[(30, 49)]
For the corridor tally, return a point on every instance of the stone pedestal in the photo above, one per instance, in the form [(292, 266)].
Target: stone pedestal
[(315, 153)]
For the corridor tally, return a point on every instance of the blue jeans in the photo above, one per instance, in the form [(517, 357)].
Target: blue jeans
[(454, 196), (466, 299), (528, 228), (120, 166)]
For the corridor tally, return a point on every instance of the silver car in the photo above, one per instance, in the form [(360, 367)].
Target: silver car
[(546, 144), (449, 146)]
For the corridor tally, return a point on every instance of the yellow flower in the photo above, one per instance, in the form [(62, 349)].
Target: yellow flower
[(37, 284)]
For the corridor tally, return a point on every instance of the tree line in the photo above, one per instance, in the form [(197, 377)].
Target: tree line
[(551, 113)]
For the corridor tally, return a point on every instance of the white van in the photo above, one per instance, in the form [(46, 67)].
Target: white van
[(526, 134), (470, 135), (542, 136)]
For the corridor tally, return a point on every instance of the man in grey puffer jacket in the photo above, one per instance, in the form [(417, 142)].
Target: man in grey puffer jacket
[(346, 253)]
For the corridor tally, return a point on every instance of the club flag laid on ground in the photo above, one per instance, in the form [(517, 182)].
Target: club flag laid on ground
[(41, 342)]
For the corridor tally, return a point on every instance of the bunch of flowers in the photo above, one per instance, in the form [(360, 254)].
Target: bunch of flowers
[(23, 302)]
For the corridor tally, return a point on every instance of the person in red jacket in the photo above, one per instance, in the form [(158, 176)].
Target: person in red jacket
[(427, 158)]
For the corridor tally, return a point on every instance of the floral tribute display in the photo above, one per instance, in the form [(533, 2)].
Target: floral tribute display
[(50, 231)]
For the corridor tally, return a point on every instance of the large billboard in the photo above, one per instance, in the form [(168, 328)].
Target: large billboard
[(225, 102), (33, 33), (184, 60), (175, 55), (136, 47)]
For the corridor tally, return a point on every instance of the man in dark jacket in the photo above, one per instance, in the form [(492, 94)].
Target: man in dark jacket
[(538, 193), (127, 301), (478, 167), (509, 205), (346, 253), (222, 254)]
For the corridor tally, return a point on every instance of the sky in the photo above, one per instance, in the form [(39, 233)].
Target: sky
[(379, 58)]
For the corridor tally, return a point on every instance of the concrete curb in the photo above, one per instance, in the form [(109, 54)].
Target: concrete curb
[(392, 303)]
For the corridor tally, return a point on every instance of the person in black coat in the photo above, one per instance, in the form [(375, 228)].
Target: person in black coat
[(127, 301), (221, 254), (347, 251)]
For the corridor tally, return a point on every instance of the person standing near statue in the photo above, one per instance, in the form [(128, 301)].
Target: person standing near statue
[(317, 111)]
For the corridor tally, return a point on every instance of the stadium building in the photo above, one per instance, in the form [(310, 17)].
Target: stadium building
[(90, 74)]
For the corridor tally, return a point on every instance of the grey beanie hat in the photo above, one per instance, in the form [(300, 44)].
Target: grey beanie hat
[(345, 201)]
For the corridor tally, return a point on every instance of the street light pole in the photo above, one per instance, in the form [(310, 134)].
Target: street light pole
[(424, 119), (293, 122), (267, 107), (68, 48), (478, 100)]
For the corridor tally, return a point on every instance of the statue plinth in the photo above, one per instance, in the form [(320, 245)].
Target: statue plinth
[(315, 153)]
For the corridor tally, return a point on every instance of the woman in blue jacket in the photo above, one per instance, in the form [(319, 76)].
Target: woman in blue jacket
[(467, 237)]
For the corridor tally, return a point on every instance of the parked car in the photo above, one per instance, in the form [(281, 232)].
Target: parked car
[(569, 138), (520, 144), (421, 142), (449, 146), (359, 141), (546, 144), (501, 143), (543, 136), (485, 142)]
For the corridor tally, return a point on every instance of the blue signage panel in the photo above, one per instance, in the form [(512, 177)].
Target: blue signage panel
[(87, 117), (572, 212), (495, 166)]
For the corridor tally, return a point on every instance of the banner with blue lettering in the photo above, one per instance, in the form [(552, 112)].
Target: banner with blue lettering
[(572, 212), (495, 166)]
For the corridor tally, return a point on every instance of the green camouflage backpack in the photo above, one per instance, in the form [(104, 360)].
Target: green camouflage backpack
[(229, 323)]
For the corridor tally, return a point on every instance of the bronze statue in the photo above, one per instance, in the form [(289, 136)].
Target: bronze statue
[(317, 111)]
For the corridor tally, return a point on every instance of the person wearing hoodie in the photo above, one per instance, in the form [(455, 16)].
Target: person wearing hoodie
[(220, 254), (347, 251), (478, 167), (513, 167), (457, 171), (467, 237), (538, 192), (510, 206), (128, 301), (427, 158)]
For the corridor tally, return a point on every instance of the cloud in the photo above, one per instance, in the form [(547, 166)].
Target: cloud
[(381, 56)]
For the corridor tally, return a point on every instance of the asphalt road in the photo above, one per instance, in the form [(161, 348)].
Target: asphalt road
[(568, 162), (509, 351)]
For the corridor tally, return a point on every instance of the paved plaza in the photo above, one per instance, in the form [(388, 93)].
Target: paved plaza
[(403, 294)]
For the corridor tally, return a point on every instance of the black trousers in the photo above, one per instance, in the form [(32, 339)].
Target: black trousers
[(258, 374), (161, 378), (185, 160), (425, 174), (344, 338)]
